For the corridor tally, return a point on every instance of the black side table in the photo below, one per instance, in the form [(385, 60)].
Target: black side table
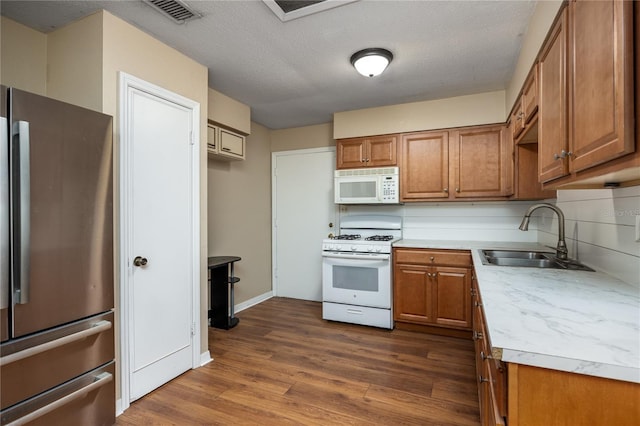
[(222, 280)]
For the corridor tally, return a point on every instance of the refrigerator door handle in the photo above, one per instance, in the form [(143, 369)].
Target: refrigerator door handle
[(23, 237), (4, 213), (95, 328), (99, 381)]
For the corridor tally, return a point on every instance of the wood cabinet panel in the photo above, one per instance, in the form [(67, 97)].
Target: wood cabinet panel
[(382, 151), (539, 396), (491, 373), (350, 153), (552, 113), (412, 295), (429, 293), (473, 162), (601, 82), (424, 166), (452, 297), (433, 257), (375, 151), (530, 96), (526, 185), (482, 162)]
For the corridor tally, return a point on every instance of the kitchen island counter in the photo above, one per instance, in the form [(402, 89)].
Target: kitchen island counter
[(575, 321)]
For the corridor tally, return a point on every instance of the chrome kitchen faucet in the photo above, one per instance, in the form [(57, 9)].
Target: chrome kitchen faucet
[(561, 248)]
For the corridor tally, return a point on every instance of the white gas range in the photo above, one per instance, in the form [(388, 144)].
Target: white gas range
[(356, 270)]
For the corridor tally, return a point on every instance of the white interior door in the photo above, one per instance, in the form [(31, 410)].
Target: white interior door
[(303, 208), (159, 195)]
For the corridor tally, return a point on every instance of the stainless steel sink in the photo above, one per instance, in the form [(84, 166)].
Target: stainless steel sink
[(512, 254), (529, 259)]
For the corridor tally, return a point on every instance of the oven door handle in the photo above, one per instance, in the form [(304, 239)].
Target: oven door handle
[(375, 257)]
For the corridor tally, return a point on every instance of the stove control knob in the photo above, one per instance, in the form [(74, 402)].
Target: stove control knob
[(370, 248), (354, 248), (378, 249)]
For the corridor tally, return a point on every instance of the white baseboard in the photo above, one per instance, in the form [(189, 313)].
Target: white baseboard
[(252, 302), (205, 358)]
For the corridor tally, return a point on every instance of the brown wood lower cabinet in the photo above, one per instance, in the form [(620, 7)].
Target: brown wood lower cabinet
[(491, 373), (539, 396), (521, 395), (432, 288)]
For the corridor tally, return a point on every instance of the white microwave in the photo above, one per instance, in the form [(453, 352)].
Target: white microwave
[(367, 186)]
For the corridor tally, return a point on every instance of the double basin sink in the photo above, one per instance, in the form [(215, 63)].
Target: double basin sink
[(529, 259)]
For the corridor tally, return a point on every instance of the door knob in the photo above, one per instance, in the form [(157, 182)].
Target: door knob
[(140, 261)]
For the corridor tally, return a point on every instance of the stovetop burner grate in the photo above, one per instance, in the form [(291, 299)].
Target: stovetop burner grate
[(347, 237), (380, 238)]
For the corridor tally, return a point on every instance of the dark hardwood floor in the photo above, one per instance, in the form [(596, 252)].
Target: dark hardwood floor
[(284, 365)]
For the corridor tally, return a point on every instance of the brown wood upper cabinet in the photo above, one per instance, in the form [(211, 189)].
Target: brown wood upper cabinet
[(552, 114), (374, 151), (482, 162), (424, 166), (464, 163), (526, 106), (586, 111)]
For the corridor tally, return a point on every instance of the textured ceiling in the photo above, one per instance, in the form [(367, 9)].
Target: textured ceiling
[(297, 73)]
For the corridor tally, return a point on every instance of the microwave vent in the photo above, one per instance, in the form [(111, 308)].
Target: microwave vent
[(367, 171)]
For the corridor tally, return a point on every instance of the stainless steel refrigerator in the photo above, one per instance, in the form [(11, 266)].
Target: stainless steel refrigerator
[(56, 263)]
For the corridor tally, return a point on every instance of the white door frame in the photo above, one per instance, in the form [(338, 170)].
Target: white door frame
[(127, 82), (274, 189)]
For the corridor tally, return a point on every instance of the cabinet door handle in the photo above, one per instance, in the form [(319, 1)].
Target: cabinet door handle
[(458, 190), (432, 258), (446, 190), (482, 379), (477, 335), (484, 357)]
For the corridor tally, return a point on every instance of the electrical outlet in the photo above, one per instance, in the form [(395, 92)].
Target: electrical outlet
[(638, 228)]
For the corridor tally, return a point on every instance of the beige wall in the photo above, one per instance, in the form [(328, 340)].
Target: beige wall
[(539, 25), (240, 214), (483, 108), (229, 112), (319, 135), (74, 55), (23, 60)]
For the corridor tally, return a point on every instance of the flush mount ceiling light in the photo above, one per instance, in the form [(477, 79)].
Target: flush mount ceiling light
[(371, 62)]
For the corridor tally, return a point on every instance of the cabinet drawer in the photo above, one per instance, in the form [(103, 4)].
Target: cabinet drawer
[(433, 257), (83, 345)]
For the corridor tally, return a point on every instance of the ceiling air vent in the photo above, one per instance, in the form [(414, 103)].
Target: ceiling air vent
[(177, 10), (287, 10)]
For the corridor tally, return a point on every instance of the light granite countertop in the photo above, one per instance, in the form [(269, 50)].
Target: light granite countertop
[(576, 321)]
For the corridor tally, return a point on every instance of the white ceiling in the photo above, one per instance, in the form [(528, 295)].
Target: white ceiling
[(297, 73)]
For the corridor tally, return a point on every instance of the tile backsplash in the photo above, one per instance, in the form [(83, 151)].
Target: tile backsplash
[(600, 229), (599, 225)]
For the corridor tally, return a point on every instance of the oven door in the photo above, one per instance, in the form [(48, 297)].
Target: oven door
[(357, 279)]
